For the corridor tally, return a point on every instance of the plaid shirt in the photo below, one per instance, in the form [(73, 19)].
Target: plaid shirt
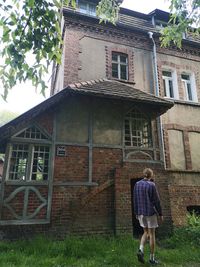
[(146, 199)]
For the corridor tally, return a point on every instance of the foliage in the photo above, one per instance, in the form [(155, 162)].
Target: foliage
[(29, 26), (33, 27), (189, 234), (185, 19), (6, 116), (108, 10)]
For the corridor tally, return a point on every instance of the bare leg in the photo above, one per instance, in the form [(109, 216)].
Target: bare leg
[(152, 240), (144, 237)]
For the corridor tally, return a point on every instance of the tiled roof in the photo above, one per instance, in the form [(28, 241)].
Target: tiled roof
[(98, 88), (117, 90)]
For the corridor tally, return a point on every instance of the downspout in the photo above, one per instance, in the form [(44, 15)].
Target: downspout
[(159, 121)]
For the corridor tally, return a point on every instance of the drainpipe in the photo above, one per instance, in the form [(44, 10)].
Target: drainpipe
[(159, 121)]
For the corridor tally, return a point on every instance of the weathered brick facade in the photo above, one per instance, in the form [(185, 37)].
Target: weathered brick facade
[(90, 187)]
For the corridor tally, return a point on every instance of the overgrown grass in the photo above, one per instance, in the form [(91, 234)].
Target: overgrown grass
[(180, 250), (94, 252)]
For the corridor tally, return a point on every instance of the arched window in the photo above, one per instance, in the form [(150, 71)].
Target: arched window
[(137, 130)]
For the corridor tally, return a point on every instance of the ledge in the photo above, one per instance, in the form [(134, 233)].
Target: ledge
[(75, 184)]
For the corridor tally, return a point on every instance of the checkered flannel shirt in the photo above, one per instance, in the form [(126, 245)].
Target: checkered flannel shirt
[(146, 199)]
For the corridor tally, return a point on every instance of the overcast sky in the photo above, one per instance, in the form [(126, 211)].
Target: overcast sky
[(24, 96)]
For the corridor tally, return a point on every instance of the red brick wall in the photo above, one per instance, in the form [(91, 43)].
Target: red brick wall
[(180, 198)]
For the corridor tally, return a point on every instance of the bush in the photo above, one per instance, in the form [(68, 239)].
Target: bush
[(189, 234)]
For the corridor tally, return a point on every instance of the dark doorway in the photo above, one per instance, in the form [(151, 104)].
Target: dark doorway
[(137, 229), (194, 209)]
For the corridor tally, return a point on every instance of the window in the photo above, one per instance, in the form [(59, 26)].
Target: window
[(87, 8), (189, 87), (29, 162), (168, 84), (119, 66), (137, 130)]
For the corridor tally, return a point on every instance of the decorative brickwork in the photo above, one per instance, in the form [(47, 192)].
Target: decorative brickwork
[(119, 49)]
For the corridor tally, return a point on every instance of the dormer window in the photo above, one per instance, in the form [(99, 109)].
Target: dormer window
[(119, 66), (87, 8)]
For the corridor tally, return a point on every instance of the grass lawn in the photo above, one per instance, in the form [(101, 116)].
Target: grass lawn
[(93, 252)]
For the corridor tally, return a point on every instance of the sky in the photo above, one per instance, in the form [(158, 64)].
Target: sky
[(24, 96)]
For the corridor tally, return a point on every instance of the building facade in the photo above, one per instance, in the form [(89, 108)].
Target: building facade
[(119, 103)]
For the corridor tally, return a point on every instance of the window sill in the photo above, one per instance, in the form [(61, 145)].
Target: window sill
[(122, 81), (184, 102), (26, 183), (75, 184)]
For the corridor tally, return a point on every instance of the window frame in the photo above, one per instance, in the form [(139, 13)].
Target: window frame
[(141, 134), (119, 63), (192, 84), (166, 86), (31, 143)]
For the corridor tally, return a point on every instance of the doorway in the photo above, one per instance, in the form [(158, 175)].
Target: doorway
[(137, 229)]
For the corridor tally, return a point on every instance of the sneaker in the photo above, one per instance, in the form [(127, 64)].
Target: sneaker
[(140, 256), (154, 262)]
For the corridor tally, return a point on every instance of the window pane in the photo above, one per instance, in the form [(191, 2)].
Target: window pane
[(114, 70), (167, 73), (123, 58), (164, 85), (171, 90), (123, 69), (185, 77), (114, 57), (18, 162), (189, 91), (40, 163)]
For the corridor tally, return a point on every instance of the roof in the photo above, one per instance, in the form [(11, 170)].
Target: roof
[(135, 21), (99, 88)]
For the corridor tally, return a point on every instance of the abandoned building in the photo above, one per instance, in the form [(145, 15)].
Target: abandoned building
[(119, 103)]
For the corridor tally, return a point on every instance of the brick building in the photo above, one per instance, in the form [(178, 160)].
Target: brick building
[(119, 103)]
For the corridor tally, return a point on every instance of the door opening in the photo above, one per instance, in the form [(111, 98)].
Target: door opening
[(137, 229)]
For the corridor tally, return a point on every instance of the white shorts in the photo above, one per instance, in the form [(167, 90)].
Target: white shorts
[(148, 221)]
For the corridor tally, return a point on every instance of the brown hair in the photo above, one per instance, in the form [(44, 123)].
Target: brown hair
[(148, 173)]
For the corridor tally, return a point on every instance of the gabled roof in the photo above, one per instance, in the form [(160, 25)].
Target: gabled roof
[(99, 88)]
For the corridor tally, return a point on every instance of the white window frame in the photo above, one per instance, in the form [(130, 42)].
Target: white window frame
[(192, 84), (119, 64), (173, 79)]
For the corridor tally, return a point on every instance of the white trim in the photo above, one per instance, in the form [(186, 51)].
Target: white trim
[(192, 83), (173, 78)]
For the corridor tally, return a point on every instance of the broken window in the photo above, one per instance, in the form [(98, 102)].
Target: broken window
[(29, 161), (137, 130)]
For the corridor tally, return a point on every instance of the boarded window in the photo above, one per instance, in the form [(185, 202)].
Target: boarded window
[(176, 149), (194, 139)]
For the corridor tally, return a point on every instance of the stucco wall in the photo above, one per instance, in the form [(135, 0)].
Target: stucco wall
[(72, 121), (93, 62), (176, 149), (194, 139), (185, 115)]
